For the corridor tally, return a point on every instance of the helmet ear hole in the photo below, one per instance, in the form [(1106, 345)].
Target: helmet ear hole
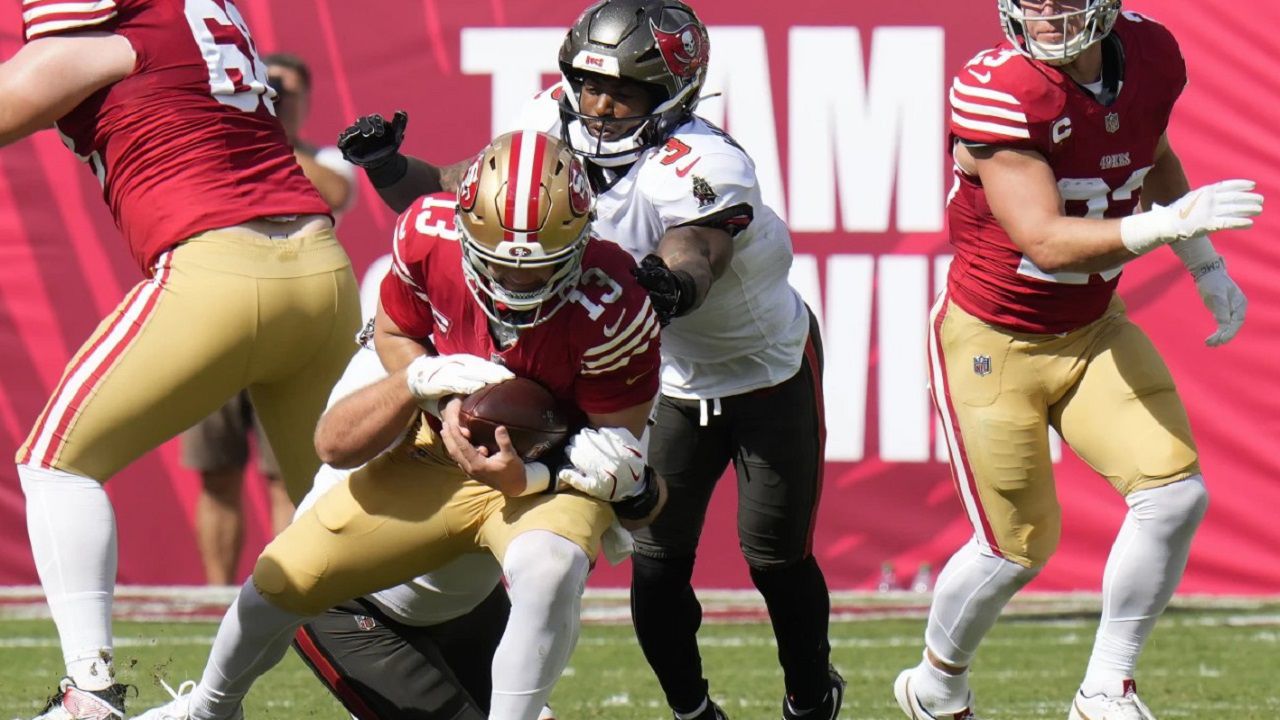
[(529, 204)]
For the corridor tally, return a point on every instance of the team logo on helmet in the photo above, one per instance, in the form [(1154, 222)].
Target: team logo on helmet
[(579, 189), (684, 51), (469, 188), (520, 251)]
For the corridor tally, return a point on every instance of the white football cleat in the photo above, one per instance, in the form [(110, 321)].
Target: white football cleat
[(1105, 707), (910, 704), (179, 708), (72, 703)]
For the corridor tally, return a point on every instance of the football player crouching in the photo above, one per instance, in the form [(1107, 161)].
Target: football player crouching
[(538, 297)]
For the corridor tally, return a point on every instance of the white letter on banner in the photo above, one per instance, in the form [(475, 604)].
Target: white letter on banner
[(845, 127), (845, 319), (902, 323), (740, 70), (517, 58)]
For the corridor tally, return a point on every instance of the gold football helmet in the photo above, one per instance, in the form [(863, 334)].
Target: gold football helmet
[(524, 203)]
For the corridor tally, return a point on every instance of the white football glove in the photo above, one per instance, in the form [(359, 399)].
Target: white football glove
[(432, 377), (606, 463), (1223, 297), (1226, 205)]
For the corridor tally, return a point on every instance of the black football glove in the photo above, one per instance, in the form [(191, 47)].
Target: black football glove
[(672, 292), (374, 144)]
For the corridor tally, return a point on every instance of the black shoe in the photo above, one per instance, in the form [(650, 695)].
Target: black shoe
[(829, 709), (711, 712)]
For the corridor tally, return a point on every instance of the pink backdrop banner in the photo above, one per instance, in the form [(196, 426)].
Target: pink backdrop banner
[(842, 105)]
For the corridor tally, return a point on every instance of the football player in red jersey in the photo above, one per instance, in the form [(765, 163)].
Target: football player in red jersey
[(168, 104), (1064, 174), (516, 286)]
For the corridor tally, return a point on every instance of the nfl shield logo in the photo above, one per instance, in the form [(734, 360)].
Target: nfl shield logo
[(982, 365), (365, 623), (1113, 122)]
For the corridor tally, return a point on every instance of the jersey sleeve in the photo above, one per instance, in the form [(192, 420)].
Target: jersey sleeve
[(541, 113), (404, 289), (43, 18), (621, 360), (714, 189), (999, 99)]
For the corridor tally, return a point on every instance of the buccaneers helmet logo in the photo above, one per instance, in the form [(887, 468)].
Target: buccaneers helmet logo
[(684, 51)]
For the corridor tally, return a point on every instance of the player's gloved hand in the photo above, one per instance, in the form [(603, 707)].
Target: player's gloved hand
[(1223, 297), (431, 377), (671, 292), (1226, 205), (371, 141), (606, 463)]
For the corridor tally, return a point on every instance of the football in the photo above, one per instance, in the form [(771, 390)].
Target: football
[(527, 409)]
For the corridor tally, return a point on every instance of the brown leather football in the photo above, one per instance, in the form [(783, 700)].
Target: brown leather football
[(527, 409)]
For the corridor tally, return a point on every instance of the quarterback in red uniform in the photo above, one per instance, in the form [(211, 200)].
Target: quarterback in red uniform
[(1064, 174), (168, 104), (515, 285)]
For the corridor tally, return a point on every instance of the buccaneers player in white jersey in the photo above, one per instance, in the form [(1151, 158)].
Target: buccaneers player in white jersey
[(1064, 174), (525, 290), (742, 355)]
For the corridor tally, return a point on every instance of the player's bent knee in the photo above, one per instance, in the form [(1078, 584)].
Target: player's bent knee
[(286, 587)]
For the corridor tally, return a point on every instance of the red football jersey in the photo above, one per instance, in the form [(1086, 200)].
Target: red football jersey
[(189, 140), (599, 351), (1100, 155)]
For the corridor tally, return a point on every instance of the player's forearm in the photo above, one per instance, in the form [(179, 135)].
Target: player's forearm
[(703, 253), (363, 424), (1071, 244), (421, 178), (1166, 182)]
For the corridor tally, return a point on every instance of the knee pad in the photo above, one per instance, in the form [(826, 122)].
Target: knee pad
[(287, 588), (543, 564)]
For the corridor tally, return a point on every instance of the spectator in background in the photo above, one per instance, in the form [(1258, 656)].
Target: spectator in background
[(218, 446)]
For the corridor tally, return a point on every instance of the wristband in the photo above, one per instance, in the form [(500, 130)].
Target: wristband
[(537, 477), (1195, 252), (389, 172), (688, 292), (1144, 232)]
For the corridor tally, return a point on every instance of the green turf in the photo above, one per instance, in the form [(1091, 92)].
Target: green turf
[(1200, 664)]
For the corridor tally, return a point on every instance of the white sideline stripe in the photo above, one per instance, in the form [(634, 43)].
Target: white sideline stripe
[(171, 641)]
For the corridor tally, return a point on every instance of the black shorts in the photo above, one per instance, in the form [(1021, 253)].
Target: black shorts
[(774, 437), (379, 668)]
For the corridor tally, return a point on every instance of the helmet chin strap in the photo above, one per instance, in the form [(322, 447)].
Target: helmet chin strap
[(605, 153)]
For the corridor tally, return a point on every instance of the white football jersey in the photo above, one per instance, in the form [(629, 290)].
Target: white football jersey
[(750, 331)]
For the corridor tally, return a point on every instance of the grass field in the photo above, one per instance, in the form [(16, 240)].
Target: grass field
[(1205, 661)]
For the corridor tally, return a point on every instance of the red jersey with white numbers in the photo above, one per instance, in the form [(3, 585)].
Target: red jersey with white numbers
[(1099, 154), (188, 141), (599, 351)]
